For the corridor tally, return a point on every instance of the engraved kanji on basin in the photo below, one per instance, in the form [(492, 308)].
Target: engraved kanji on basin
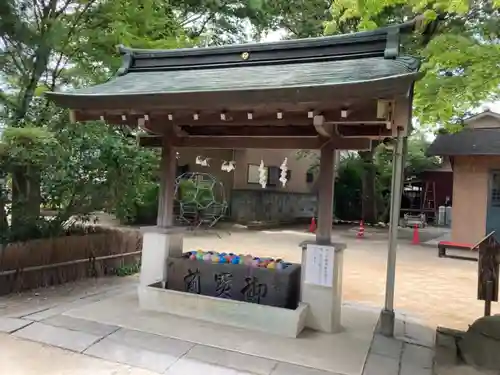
[(271, 287)]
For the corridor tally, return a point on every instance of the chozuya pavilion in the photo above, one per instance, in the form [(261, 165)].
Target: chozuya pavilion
[(342, 92)]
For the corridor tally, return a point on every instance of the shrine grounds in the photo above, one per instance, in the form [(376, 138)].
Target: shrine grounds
[(433, 291), (440, 291)]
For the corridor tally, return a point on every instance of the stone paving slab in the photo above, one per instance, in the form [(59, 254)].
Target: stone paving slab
[(417, 356), (151, 342), (24, 357), (419, 333), (229, 359), (387, 347), (113, 351), (53, 311), (186, 366), (9, 325), (82, 325), (344, 353), (289, 369), (60, 337), (381, 365), (408, 369)]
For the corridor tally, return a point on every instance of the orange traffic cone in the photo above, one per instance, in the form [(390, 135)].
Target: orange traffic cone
[(361, 231), (312, 226), (416, 237)]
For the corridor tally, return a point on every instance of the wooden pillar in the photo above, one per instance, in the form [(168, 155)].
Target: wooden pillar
[(324, 298), (168, 167), (326, 184), (164, 240)]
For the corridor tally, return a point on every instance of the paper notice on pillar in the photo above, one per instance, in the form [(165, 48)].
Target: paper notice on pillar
[(319, 265)]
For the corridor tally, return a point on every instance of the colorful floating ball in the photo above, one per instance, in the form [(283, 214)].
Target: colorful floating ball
[(233, 258)]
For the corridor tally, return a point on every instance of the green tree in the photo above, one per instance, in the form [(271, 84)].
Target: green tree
[(460, 63), (50, 45)]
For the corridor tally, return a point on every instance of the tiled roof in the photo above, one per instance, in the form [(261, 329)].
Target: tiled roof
[(327, 73), (485, 141), (315, 62)]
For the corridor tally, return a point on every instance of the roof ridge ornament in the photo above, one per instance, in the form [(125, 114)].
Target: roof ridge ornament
[(393, 43), (127, 59)]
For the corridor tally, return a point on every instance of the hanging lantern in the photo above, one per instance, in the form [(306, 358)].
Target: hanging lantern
[(284, 172), (262, 175)]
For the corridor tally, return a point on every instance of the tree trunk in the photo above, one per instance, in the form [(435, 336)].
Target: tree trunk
[(25, 201), (4, 225), (368, 201)]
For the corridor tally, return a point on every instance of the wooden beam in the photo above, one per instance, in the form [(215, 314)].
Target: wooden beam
[(364, 131), (251, 131), (276, 143), (365, 113), (252, 142)]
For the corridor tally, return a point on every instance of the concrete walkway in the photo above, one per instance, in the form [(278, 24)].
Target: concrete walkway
[(71, 345), (117, 340)]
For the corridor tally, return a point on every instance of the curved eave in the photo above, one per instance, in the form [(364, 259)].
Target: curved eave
[(367, 89)]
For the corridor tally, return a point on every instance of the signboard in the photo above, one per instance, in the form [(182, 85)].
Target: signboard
[(319, 265), (488, 267)]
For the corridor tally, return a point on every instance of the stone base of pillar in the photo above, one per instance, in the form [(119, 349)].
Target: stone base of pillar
[(325, 303), (386, 323), (157, 245)]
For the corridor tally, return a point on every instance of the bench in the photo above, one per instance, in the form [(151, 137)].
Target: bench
[(443, 245)]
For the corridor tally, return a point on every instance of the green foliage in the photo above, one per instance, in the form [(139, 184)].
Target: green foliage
[(127, 270), (26, 146), (199, 192), (97, 167), (348, 188), (460, 63), (351, 182)]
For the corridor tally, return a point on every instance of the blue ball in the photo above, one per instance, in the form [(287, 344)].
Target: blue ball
[(235, 260), (222, 260)]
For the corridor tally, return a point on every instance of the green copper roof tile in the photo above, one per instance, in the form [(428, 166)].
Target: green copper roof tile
[(242, 78)]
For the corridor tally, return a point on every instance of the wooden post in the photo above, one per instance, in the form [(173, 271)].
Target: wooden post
[(326, 186), (168, 166), (164, 240), (325, 301)]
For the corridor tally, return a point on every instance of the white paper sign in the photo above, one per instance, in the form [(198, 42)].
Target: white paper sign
[(319, 265)]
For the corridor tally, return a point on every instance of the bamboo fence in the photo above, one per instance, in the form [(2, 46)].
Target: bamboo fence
[(52, 261)]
